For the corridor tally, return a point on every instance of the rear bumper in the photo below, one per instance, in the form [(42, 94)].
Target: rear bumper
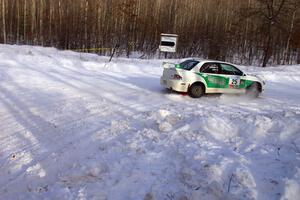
[(176, 85)]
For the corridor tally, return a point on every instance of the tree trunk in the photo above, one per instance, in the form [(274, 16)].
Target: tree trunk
[(3, 21), (286, 53), (25, 22), (298, 56), (18, 22), (267, 50)]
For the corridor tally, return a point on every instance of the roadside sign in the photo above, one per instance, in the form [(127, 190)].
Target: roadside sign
[(168, 43)]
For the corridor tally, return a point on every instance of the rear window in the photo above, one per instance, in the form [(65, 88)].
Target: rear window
[(188, 64)]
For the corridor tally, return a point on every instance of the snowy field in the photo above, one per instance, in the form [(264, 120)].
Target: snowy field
[(74, 127)]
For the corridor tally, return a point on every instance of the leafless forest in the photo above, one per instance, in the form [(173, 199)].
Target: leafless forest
[(243, 31)]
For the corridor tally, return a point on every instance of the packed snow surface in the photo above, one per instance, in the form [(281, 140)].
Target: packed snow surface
[(73, 126)]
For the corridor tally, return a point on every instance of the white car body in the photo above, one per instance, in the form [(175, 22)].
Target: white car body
[(178, 79)]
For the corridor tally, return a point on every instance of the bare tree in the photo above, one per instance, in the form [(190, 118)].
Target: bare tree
[(241, 31), (4, 21)]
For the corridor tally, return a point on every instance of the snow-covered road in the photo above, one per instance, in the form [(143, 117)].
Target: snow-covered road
[(74, 127)]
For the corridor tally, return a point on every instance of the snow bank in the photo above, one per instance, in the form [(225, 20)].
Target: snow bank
[(76, 127)]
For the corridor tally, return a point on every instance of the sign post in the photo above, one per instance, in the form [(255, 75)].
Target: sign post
[(168, 43)]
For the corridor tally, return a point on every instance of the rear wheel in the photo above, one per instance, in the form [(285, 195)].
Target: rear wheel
[(196, 91), (254, 90)]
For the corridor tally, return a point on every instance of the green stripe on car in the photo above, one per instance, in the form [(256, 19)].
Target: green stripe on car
[(219, 81)]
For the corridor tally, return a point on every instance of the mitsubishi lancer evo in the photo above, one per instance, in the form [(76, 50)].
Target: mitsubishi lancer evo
[(199, 77)]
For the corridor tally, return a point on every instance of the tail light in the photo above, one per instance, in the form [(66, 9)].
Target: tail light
[(177, 77)]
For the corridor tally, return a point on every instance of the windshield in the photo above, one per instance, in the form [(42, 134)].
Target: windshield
[(188, 64)]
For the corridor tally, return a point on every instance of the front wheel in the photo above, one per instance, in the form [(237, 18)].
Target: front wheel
[(254, 90), (196, 91)]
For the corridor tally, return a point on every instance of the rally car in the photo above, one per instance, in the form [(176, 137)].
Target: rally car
[(199, 77)]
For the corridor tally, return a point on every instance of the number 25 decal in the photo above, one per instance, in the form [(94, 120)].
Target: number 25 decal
[(234, 82)]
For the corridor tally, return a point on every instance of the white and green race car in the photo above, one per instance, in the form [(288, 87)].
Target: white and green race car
[(199, 77)]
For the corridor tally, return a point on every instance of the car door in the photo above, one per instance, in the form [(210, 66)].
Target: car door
[(234, 76), (215, 81)]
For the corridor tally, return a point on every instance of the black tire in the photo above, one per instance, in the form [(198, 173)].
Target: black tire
[(196, 91), (254, 90)]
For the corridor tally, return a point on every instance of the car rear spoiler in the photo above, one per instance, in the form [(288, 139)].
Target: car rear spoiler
[(168, 65)]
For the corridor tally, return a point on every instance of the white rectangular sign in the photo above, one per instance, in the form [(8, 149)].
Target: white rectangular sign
[(168, 43)]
